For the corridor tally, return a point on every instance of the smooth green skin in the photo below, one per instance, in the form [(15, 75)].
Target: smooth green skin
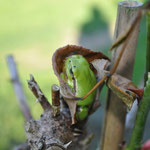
[(85, 79)]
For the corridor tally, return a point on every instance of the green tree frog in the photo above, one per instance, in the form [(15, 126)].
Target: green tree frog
[(80, 78)]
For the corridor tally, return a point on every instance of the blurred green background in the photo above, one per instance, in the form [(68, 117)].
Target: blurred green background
[(31, 31)]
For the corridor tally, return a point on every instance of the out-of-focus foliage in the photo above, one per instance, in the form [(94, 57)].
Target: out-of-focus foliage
[(31, 31)]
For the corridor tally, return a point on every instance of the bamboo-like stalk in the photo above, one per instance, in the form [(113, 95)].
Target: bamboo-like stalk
[(144, 107), (115, 110)]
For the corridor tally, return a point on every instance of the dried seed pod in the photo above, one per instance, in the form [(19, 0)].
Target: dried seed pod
[(120, 86)]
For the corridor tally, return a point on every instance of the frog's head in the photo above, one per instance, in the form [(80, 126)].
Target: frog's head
[(75, 64)]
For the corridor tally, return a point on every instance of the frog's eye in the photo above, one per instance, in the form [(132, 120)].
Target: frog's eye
[(74, 66), (70, 61)]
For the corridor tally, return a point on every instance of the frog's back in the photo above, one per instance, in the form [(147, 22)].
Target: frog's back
[(87, 82), (83, 78)]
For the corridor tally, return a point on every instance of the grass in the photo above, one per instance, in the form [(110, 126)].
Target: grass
[(32, 31)]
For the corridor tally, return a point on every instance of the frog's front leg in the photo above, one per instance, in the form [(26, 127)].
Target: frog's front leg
[(82, 112)]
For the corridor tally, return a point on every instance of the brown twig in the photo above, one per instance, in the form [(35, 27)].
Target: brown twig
[(95, 87), (38, 93), (55, 99), (18, 88), (55, 95), (129, 35)]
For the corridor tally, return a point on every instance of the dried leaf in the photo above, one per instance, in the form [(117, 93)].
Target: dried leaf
[(62, 53), (101, 65), (120, 86), (72, 107)]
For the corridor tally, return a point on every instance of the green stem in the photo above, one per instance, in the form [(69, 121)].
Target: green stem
[(148, 47), (144, 107)]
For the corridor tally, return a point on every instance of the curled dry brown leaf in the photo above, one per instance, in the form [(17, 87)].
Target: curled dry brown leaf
[(60, 56)]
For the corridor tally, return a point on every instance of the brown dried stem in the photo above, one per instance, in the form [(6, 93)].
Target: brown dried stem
[(34, 87), (18, 88), (55, 95), (55, 99)]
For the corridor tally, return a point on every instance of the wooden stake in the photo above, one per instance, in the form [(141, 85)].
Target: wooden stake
[(115, 109)]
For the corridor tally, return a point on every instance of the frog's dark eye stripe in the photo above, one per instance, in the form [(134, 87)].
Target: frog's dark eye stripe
[(70, 61), (74, 66), (71, 71)]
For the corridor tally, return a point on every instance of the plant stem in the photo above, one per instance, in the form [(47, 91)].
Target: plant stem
[(144, 107), (148, 47)]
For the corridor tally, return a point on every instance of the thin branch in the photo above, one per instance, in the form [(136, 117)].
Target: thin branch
[(95, 87), (125, 34), (34, 87), (148, 48), (144, 107), (18, 88), (129, 35)]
